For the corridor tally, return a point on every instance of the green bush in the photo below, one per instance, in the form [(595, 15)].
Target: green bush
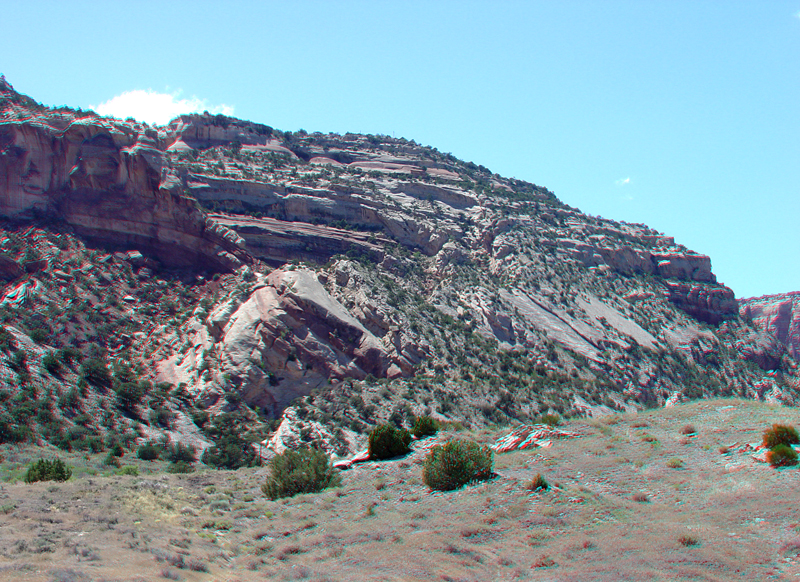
[(301, 471), (455, 464), (111, 460), (423, 426), (39, 335), (180, 467), (95, 372), (780, 434), (386, 441), (7, 341), (782, 456), (550, 419), (69, 355), (231, 452), (51, 364), (127, 470), (44, 470), (180, 452), (539, 483), (129, 394), (148, 451)]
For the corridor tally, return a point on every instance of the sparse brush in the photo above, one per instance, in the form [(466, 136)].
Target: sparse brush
[(180, 467), (675, 463), (51, 364), (688, 541), (455, 464), (197, 566), (550, 419), (179, 452), (301, 471), (780, 434), (424, 426), (543, 562), (386, 442), (688, 429), (149, 451), (782, 456), (539, 483), (640, 497)]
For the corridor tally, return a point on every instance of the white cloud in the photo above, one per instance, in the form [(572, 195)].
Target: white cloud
[(623, 182), (154, 107)]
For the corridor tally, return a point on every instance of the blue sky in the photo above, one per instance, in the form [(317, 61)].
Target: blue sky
[(682, 115)]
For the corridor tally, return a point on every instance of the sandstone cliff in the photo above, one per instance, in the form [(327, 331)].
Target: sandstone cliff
[(109, 180), (361, 279), (777, 316)]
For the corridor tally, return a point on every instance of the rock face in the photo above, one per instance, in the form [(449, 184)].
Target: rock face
[(778, 316), (285, 338), (110, 181), (710, 304)]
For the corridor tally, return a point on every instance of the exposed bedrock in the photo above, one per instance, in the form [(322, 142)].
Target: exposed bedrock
[(705, 302), (287, 337), (111, 183), (777, 315), (278, 241)]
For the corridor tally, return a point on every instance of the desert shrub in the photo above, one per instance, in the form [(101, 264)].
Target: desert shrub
[(455, 464), (538, 483), (148, 451), (782, 456), (550, 419), (386, 441), (69, 355), (675, 463), (423, 426), (301, 471), (180, 467), (12, 432), (95, 372), (19, 362), (7, 341), (70, 399), (39, 335), (129, 394), (688, 540), (51, 364), (161, 416), (44, 470), (688, 429), (180, 452), (780, 434), (128, 470), (111, 460), (231, 450)]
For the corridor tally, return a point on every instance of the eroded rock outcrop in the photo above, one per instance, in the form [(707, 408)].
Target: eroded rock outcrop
[(708, 303), (777, 315), (111, 182), (287, 337)]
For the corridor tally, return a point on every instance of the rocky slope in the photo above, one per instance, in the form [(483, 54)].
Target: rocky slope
[(778, 319), (359, 278)]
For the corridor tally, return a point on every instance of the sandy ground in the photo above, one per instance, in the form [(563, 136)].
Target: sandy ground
[(632, 498)]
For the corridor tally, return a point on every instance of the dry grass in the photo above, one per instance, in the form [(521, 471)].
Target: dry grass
[(614, 510)]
